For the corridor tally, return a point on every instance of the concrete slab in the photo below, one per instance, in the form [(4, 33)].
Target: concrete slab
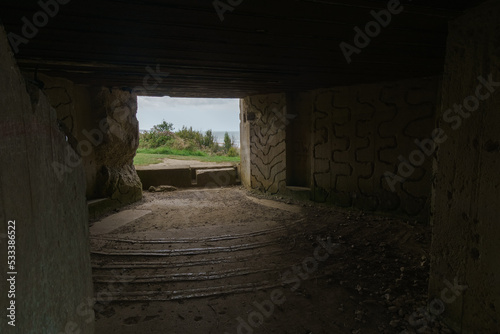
[(221, 177), (174, 163), (179, 176), (197, 168), (116, 221), (276, 205), (101, 206)]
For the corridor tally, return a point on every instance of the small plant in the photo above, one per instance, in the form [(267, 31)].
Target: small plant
[(233, 152), (160, 135), (209, 139), (228, 142), (163, 127)]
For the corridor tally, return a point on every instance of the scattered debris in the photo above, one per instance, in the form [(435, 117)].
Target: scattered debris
[(161, 189)]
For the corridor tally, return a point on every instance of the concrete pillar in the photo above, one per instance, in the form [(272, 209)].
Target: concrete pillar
[(101, 125), (116, 177), (246, 118), (263, 142), (466, 191), (53, 284)]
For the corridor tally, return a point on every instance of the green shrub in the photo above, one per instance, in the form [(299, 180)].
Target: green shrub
[(209, 139), (160, 135), (191, 135), (233, 152), (162, 139), (163, 127), (228, 142)]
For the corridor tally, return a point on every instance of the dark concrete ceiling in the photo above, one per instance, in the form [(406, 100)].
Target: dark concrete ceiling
[(260, 47)]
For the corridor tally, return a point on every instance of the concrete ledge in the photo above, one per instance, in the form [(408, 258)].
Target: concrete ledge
[(194, 170), (300, 193), (116, 221), (99, 207), (220, 177), (180, 176)]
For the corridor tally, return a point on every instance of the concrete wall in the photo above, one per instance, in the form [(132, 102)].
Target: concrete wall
[(359, 134), (466, 227), (245, 144), (263, 133), (53, 283), (299, 137), (101, 125), (342, 143), (73, 107)]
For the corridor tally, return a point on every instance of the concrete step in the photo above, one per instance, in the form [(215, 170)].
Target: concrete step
[(178, 176), (186, 176), (197, 168), (100, 206), (216, 177)]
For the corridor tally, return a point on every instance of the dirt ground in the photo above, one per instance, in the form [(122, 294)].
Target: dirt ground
[(229, 261)]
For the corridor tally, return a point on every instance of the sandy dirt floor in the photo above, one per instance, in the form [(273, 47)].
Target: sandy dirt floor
[(229, 261)]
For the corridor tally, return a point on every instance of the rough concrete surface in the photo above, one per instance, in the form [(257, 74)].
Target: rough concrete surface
[(340, 143), (220, 177), (101, 125), (177, 176), (466, 228), (116, 176), (263, 155), (359, 134), (53, 284)]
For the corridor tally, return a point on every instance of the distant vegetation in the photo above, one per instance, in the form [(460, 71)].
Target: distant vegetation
[(184, 143)]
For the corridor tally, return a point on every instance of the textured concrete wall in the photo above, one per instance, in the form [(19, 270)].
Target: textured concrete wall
[(245, 144), (101, 125), (73, 107), (299, 138), (346, 140), (116, 175), (263, 142), (466, 228), (359, 134), (53, 284)]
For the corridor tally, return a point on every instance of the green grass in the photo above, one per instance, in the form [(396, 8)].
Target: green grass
[(207, 158), (171, 151), (144, 157)]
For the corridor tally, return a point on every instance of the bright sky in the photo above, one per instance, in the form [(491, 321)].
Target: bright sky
[(201, 114)]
